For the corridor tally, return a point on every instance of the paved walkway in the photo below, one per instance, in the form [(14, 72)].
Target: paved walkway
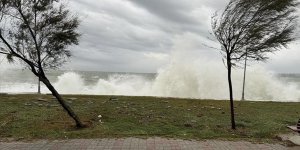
[(139, 144)]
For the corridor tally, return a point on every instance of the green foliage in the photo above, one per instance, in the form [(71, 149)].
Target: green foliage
[(251, 29), (10, 58), (257, 27), (38, 31)]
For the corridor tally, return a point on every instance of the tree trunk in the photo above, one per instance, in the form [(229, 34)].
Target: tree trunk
[(230, 93), (39, 86), (70, 112)]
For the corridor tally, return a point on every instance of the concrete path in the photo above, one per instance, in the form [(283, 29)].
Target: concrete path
[(139, 144)]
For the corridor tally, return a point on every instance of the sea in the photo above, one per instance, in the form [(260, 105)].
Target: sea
[(182, 82)]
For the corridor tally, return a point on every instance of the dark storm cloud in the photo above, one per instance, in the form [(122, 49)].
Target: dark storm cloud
[(180, 15), (139, 35), (168, 10)]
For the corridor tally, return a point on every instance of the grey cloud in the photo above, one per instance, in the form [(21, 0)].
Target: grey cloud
[(116, 34), (177, 16), (168, 9), (127, 61)]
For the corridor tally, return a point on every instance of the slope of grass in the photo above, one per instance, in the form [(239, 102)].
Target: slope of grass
[(39, 117)]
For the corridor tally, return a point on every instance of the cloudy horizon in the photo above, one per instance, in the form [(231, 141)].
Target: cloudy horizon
[(142, 35)]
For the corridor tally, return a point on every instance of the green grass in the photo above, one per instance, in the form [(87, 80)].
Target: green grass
[(143, 117)]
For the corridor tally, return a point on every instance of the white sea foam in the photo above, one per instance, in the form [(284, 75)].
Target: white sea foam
[(210, 82), (70, 83), (195, 81), (187, 75), (198, 80)]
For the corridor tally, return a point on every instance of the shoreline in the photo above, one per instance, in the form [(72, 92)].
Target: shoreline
[(34, 93)]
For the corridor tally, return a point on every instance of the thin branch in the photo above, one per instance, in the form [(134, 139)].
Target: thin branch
[(31, 64), (211, 47), (4, 53), (34, 39)]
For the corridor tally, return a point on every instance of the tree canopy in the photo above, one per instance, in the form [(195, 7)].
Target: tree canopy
[(251, 29), (38, 31), (256, 26)]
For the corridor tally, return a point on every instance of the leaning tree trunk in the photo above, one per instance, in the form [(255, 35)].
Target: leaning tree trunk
[(229, 65), (69, 110)]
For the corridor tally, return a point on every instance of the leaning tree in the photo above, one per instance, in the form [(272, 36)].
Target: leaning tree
[(38, 33), (251, 29)]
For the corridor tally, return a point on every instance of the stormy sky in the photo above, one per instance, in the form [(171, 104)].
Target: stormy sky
[(141, 35)]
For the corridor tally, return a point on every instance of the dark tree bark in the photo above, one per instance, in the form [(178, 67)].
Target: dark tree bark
[(66, 107), (229, 66)]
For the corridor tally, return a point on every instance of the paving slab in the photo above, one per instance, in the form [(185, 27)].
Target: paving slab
[(291, 139), (295, 140), (155, 143)]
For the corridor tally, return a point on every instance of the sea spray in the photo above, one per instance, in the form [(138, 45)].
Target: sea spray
[(188, 75), (201, 81), (115, 84), (207, 82), (70, 83), (122, 84)]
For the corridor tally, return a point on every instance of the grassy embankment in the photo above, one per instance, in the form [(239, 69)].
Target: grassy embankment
[(26, 117)]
